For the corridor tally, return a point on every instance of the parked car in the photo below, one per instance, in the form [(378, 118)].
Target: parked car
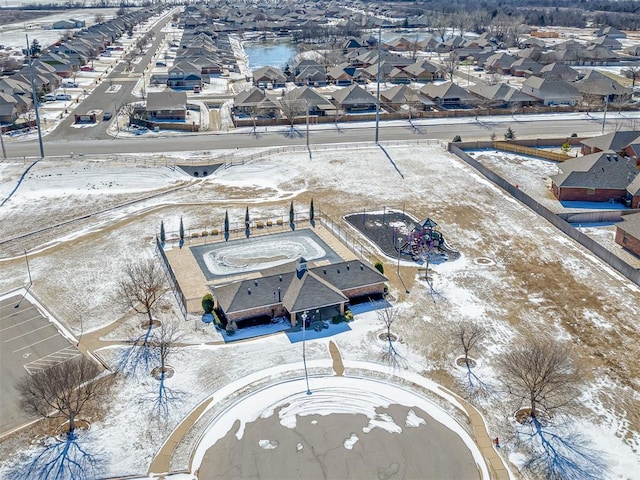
[(69, 84), (86, 68), (49, 97), (107, 116), (63, 96)]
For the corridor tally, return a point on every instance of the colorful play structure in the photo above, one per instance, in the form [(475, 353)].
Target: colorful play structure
[(423, 242)]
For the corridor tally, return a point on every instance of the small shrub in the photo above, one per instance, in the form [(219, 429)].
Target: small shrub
[(338, 319), (493, 136), (269, 223), (380, 267), (231, 328), (204, 233), (195, 235), (574, 135), (565, 147), (509, 134), (348, 315), (457, 138), (260, 225), (214, 231), (279, 221), (207, 303)]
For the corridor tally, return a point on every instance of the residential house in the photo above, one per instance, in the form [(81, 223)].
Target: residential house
[(184, 75), (499, 63), (423, 71), (311, 101), (596, 84), (63, 25), (598, 177), (500, 95), (525, 67), (255, 103), (266, 77), (619, 142), (320, 293), (609, 31), (632, 50), (63, 66), (402, 97), (354, 98), (628, 233), (342, 74), (8, 110), (167, 105), (550, 92), (633, 193), (559, 71), (448, 95), (309, 72)]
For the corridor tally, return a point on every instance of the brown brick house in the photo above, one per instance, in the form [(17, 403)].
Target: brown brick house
[(628, 233), (598, 177)]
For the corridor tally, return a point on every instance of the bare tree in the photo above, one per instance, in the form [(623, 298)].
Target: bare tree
[(98, 18), (540, 373), (62, 391), (388, 316), (141, 286), (164, 341), (290, 110), (451, 65), (467, 334)]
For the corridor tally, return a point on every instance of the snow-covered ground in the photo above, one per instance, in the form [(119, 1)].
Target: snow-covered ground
[(516, 276)]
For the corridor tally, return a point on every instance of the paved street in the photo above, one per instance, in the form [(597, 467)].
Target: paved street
[(28, 342)]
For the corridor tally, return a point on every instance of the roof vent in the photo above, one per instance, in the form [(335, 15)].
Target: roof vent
[(615, 157), (248, 291), (609, 157), (338, 270), (255, 282), (324, 270), (280, 277), (347, 266), (361, 267)]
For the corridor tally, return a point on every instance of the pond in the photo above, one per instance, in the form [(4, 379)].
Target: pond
[(275, 54)]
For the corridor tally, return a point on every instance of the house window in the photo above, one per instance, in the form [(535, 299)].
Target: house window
[(624, 239)]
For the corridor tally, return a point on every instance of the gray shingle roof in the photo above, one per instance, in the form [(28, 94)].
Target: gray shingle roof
[(602, 170), (631, 225)]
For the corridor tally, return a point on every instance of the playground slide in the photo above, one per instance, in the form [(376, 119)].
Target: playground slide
[(453, 254)]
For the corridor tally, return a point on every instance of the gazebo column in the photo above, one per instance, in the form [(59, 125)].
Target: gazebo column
[(293, 319), (342, 308)]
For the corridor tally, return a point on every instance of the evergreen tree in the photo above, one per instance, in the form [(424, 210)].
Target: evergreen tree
[(291, 213), (510, 134), (311, 212), (162, 234), (181, 229)]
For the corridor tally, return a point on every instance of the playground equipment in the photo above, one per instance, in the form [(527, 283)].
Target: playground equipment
[(424, 242)]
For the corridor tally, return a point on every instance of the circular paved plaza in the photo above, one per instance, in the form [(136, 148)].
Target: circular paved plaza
[(347, 428)]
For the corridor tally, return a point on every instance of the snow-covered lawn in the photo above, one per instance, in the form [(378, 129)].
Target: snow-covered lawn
[(517, 276)]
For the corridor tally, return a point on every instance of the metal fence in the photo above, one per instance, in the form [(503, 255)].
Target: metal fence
[(534, 152), (173, 282)]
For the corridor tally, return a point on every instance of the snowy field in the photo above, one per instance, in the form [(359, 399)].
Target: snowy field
[(517, 276)]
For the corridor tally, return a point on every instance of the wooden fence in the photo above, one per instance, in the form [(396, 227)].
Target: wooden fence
[(534, 152)]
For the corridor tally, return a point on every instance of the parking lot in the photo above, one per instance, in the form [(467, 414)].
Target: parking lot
[(29, 341)]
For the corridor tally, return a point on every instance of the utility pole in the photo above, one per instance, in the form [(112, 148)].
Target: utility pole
[(304, 358), (307, 102), (36, 100), (378, 86), (4, 152)]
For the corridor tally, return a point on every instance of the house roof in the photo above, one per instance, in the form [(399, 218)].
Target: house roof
[(596, 83), (269, 72), (297, 290), (447, 90), (615, 141), (353, 95), (309, 94), (167, 100), (634, 187), (631, 225), (251, 96), (551, 89), (400, 94), (499, 92), (602, 170)]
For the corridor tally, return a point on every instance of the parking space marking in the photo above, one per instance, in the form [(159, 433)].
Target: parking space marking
[(37, 317), (52, 359), (27, 333), (39, 341)]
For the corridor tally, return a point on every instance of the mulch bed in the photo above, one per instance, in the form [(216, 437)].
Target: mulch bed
[(378, 232)]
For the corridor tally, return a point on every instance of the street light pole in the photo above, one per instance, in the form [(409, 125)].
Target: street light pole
[(304, 357), (378, 86), (604, 117), (4, 152), (307, 102), (36, 100)]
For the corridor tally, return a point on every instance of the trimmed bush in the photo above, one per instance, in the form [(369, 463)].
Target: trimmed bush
[(279, 221), (380, 267), (204, 233), (195, 235), (214, 231), (207, 303), (574, 135), (457, 138), (259, 224), (269, 223)]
